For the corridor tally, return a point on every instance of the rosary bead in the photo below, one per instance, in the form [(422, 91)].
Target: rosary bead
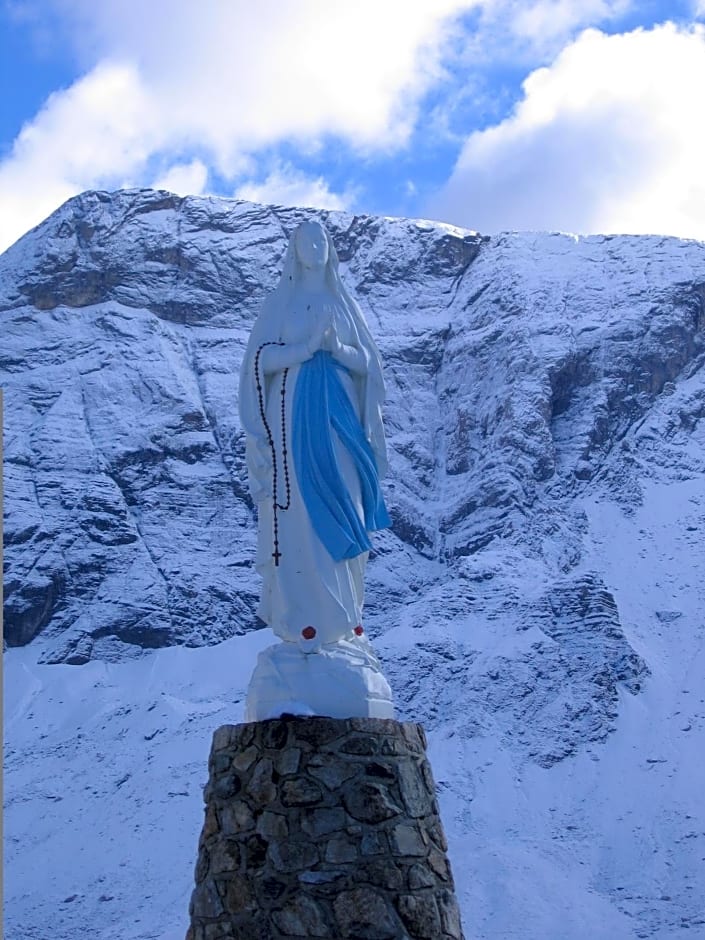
[(276, 505)]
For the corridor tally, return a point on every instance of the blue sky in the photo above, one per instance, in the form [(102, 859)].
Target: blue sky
[(575, 115)]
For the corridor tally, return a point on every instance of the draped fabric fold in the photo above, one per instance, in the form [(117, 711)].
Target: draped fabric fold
[(322, 407)]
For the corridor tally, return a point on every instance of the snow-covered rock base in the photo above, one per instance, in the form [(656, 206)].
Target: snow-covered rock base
[(537, 603)]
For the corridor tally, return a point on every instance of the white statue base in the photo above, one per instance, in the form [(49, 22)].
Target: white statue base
[(338, 680)]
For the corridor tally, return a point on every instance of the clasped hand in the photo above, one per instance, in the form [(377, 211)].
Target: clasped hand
[(277, 356), (326, 338)]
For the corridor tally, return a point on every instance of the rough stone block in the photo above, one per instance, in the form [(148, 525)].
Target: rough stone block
[(270, 889), (407, 840), (243, 760), (370, 802), (255, 852), (238, 896), (414, 792), (392, 746), (341, 850), (210, 825), (273, 826), (323, 828), (274, 733), (414, 737), (420, 877), (382, 873), (301, 917), (235, 817), (220, 762), (288, 761), (292, 856), (318, 733), (365, 915), (420, 915), (261, 786), (321, 822), (241, 736), (374, 843), (300, 791), (221, 738), (438, 863), (381, 771), (214, 932), (206, 901), (365, 745), (450, 913), (202, 865), (428, 777), (224, 856), (223, 788), (435, 830), (332, 775)]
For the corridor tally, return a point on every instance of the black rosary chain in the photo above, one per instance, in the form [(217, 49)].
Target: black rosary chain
[(276, 505)]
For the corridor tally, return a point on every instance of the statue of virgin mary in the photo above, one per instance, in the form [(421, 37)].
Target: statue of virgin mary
[(311, 393)]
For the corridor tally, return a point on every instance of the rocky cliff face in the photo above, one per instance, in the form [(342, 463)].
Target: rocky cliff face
[(523, 372), (539, 596)]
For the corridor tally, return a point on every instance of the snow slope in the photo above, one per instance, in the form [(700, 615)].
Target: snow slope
[(537, 601), (105, 765)]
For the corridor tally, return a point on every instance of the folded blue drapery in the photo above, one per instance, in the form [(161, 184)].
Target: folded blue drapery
[(320, 407)]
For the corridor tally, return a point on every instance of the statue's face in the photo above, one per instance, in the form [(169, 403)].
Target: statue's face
[(311, 245)]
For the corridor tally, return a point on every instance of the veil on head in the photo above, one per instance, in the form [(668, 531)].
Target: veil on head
[(268, 328)]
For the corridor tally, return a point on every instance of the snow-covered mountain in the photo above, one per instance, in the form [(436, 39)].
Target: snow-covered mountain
[(537, 603)]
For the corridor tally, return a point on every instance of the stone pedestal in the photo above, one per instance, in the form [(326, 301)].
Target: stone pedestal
[(322, 827)]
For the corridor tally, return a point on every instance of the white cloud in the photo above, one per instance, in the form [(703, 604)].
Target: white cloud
[(235, 72), (223, 78), (184, 179), (526, 33), (544, 20), (285, 186), (98, 130), (204, 90), (606, 139), (508, 35)]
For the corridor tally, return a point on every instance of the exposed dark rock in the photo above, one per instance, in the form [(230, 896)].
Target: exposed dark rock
[(524, 372)]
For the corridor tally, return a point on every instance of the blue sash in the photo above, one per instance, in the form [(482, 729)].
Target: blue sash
[(321, 406)]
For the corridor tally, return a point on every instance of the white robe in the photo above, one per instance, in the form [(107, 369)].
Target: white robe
[(308, 588)]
